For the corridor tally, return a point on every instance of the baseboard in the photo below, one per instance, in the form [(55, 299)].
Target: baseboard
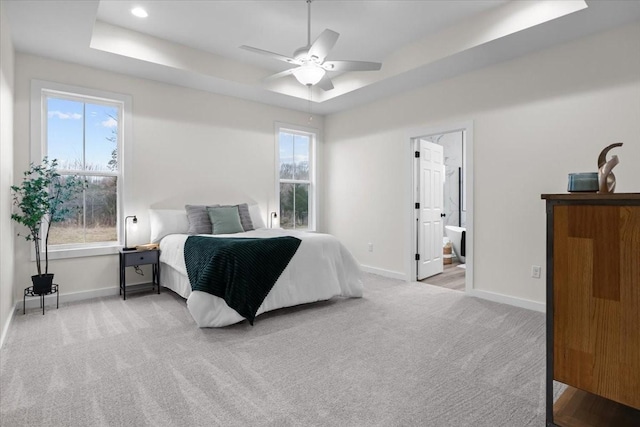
[(506, 299), (385, 273), (5, 330), (34, 302)]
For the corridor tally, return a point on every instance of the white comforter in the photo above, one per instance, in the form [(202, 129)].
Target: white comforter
[(321, 269)]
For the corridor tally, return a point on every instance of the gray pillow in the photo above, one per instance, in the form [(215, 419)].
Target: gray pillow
[(199, 221), (225, 219), (245, 217)]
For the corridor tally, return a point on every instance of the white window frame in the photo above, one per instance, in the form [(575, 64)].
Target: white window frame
[(313, 135), (40, 89)]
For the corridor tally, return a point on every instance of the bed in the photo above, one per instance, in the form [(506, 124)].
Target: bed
[(320, 269)]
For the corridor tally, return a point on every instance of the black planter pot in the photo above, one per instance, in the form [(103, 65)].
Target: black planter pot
[(42, 284)]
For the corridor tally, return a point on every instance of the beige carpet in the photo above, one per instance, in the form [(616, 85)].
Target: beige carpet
[(407, 354)]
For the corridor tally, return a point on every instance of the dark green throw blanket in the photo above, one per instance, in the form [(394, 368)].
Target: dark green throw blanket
[(241, 271)]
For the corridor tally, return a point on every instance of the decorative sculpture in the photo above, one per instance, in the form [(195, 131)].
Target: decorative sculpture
[(606, 178)]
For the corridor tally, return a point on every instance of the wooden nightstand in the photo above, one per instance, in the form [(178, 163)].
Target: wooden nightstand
[(134, 258)]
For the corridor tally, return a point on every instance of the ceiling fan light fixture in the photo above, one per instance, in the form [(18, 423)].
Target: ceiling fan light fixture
[(139, 12), (309, 73), (312, 67)]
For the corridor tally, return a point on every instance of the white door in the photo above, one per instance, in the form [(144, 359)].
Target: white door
[(430, 192)]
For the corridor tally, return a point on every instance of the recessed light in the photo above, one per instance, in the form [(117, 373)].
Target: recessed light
[(139, 12)]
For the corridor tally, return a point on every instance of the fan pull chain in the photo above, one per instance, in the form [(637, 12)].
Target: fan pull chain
[(310, 96), (308, 22)]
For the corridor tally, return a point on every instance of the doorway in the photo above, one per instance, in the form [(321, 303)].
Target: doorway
[(441, 194)]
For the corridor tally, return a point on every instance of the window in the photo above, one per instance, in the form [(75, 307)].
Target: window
[(83, 130), (296, 178)]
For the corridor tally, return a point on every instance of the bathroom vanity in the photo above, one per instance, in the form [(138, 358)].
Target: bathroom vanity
[(593, 309)]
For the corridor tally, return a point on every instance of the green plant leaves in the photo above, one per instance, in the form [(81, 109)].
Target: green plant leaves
[(41, 197)]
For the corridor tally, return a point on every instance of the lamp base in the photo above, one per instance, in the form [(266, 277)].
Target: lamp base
[(128, 249)]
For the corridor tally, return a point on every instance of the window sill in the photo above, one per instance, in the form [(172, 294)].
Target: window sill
[(79, 252)]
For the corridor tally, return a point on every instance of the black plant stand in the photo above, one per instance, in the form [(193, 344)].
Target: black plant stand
[(28, 292)]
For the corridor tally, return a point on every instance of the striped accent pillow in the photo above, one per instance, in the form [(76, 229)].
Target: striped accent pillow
[(199, 222), (245, 217)]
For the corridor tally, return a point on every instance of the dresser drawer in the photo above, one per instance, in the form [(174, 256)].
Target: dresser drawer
[(141, 258)]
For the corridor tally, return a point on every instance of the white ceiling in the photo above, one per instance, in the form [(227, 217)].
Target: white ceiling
[(369, 30), (196, 43)]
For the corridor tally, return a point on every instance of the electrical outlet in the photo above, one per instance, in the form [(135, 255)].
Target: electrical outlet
[(370, 247), (535, 271)]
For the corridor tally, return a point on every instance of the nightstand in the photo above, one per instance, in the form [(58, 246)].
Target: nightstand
[(135, 258)]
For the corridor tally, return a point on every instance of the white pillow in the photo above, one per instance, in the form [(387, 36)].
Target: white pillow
[(256, 217), (167, 221)]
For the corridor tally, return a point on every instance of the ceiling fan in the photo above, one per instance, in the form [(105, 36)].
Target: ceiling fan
[(310, 59)]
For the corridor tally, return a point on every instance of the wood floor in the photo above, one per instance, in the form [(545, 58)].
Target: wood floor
[(451, 278)]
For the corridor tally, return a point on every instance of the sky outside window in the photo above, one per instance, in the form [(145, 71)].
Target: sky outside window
[(301, 156), (294, 156), (65, 126)]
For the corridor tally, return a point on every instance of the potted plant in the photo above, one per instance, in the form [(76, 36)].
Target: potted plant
[(40, 200)]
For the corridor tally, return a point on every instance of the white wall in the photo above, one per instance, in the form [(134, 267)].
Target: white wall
[(535, 119), (184, 142), (6, 172)]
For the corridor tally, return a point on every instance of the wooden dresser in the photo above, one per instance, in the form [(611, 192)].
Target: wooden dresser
[(593, 309)]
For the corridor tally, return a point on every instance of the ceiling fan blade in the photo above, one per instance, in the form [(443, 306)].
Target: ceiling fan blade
[(323, 44), (278, 75), (351, 66), (325, 83), (271, 54)]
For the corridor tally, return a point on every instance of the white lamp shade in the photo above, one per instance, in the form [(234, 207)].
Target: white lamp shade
[(309, 73)]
